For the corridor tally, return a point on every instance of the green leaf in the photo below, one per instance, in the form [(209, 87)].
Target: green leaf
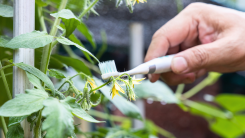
[(34, 81), (207, 109), (4, 40), (78, 111), (70, 20), (16, 120), (227, 128), (15, 131), (231, 102), (88, 35), (66, 41), (6, 11), (40, 3), (126, 107), (55, 73), (159, 91), (77, 64), (24, 104), (32, 70), (32, 40), (104, 44), (74, 39), (59, 119)]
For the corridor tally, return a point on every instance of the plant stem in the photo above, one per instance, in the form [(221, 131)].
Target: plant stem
[(2, 68), (37, 128), (179, 90), (5, 83), (7, 74), (5, 129), (41, 18), (105, 116), (196, 89), (87, 10), (73, 55), (48, 48), (164, 132), (101, 86)]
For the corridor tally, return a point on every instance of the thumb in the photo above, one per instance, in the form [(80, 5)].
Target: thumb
[(196, 58)]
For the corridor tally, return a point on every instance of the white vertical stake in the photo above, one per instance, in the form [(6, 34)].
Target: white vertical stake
[(24, 22), (136, 58)]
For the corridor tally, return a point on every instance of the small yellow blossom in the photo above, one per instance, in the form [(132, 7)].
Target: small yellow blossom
[(92, 84), (116, 87), (138, 1), (136, 81)]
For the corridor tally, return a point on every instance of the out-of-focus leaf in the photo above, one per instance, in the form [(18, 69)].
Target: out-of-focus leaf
[(158, 91), (104, 45), (207, 109), (70, 20), (4, 40), (88, 35), (41, 3), (15, 131), (74, 39), (231, 102), (78, 111), (55, 73), (6, 11), (35, 81), (32, 70), (77, 64), (24, 104), (66, 41), (59, 121), (32, 40), (126, 107)]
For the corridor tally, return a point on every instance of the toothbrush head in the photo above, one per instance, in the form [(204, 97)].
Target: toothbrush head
[(108, 69)]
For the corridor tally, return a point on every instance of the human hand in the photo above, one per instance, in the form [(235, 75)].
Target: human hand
[(206, 38)]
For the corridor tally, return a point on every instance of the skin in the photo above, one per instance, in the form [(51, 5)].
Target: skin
[(205, 38)]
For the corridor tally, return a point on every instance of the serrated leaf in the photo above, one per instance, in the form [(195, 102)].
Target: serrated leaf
[(126, 107), (231, 102), (6, 11), (55, 73), (32, 40), (87, 34), (74, 39), (34, 81), (77, 64), (4, 40), (41, 3), (78, 111), (59, 119), (66, 41), (70, 20), (159, 91), (32, 70), (15, 131), (24, 104)]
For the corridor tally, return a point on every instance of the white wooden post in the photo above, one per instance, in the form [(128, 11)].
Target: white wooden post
[(136, 58), (24, 22)]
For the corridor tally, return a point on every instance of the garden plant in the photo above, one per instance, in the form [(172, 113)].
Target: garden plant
[(50, 107)]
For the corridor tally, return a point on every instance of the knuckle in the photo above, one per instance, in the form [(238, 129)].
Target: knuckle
[(201, 57)]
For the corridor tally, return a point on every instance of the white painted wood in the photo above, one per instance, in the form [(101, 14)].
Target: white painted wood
[(1, 133), (136, 58), (24, 22)]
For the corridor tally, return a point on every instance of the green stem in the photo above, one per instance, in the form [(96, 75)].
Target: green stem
[(5, 83), (179, 90), (87, 10), (48, 48), (196, 89), (179, 4), (62, 85), (41, 18), (2, 68), (164, 132), (73, 55), (8, 74), (5, 129), (97, 88), (105, 116), (37, 128)]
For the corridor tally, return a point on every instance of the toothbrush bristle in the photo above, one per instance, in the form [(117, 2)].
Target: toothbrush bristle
[(108, 67)]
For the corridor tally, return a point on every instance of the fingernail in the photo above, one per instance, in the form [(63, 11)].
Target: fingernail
[(149, 76), (179, 65)]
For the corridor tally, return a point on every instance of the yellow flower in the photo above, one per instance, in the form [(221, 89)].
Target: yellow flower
[(92, 84), (138, 1), (116, 87), (136, 81)]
